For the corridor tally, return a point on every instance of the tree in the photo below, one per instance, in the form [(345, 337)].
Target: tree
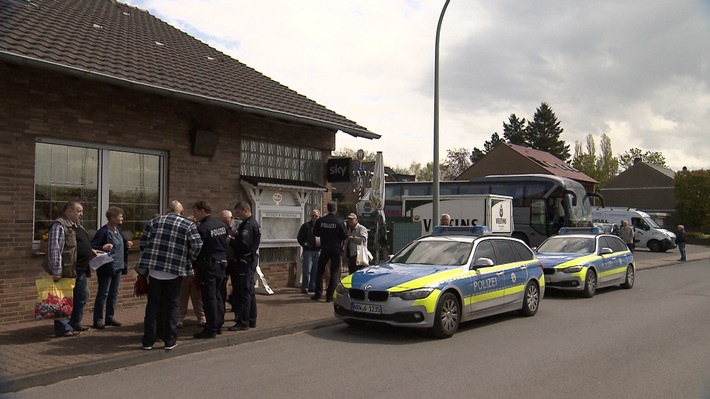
[(603, 167), (457, 161), (489, 145), (692, 189), (350, 153), (585, 161), (607, 165), (515, 131), (628, 159), (544, 131), (427, 173)]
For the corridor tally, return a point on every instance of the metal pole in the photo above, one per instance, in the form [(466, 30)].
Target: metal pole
[(435, 190)]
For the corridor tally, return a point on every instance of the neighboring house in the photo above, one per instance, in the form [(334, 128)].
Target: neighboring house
[(643, 186), (104, 103), (508, 159)]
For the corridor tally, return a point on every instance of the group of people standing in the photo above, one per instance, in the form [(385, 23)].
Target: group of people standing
[(326, 240), (172, 248)]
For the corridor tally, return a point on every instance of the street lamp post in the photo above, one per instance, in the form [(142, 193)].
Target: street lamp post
[(435, 191)]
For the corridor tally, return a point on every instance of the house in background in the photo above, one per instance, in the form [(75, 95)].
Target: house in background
[(508, 159), (643, 186), (104, 103)]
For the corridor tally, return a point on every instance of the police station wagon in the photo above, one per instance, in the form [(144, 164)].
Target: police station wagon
[(584, 260), (439, 281)]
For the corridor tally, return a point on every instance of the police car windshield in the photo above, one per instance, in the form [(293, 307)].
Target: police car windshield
[(439, 253), (568, 245)]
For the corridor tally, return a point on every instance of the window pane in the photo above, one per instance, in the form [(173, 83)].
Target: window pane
[(281, 161)]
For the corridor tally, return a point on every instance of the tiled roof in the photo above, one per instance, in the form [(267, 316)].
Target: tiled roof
[(109, 40), (551, 163)]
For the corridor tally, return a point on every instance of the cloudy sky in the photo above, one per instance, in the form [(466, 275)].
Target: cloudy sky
[(636, 70)]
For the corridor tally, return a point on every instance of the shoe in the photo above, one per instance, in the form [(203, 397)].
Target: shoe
[(312, 290), (113, 323), (219, 332), (304, 291), (202, 323), (329, 299), (238, 327), (205, 334), (72, 334), (169, 347), (315, 298), (99, 325), (147, 348), (252, 325), (81, 328), (179, 324)]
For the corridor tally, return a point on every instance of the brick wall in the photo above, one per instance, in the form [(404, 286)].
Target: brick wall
[(42, 104)]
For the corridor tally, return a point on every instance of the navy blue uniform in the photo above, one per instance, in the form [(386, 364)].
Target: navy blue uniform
[(332, 232), (212, 263), (246, 244)]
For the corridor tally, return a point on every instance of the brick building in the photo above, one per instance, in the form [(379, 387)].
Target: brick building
[(104, 103)]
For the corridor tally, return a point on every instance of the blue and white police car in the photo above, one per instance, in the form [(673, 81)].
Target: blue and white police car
[(583, 260), (437, 282)]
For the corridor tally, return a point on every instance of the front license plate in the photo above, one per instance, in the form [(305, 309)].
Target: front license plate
[(366, 308)]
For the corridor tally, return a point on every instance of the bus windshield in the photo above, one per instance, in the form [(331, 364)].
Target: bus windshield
[(579, 206)]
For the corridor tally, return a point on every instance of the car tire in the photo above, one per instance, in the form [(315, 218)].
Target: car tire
[(447, 316), (590, 284), (630, 278), (531, 299), (654, 246)]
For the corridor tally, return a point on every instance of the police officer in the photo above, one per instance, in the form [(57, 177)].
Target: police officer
[(246, 244), (212, 262), (331, 230)]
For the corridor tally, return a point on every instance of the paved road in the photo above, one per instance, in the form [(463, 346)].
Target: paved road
[(648, 342)]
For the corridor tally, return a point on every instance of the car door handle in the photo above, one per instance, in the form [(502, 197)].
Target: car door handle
[(523, 267), (500, 273)]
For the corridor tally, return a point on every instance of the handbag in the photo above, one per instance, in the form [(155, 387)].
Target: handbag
[(140, 287), (55, 299), (363, 256)]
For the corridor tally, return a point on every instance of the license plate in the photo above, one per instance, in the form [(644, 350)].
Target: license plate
[(366, 308)]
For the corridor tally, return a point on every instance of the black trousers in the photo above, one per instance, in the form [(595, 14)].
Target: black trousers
[(211, 278), (332, 255), (162, 312), (245, 294)]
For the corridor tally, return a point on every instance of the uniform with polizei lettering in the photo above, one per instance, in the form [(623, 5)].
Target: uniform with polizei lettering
[(332, 232), (212, 263)]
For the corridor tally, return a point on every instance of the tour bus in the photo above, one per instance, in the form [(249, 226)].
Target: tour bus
[(541, 203)]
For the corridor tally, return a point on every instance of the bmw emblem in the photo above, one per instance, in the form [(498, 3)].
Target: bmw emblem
[(367, 287)]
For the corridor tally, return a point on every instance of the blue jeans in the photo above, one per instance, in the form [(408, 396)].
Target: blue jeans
[(681, 249), (309, 264), (81, 294), (109, 281), (162, 312)]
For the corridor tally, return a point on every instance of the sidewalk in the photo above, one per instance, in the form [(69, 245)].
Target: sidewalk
[(30, 355)]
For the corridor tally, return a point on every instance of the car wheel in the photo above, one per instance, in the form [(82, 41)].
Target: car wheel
[(531, 299), (630, 277), (447, 316), (654, 246), (590, 284)]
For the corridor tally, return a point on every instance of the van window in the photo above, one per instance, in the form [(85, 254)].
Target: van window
[(640, 224)]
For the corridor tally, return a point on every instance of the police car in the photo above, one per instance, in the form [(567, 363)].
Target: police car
[(439, 281), (584, 260)]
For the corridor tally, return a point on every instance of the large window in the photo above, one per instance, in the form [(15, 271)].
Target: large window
[(279, 161), (99, 177)]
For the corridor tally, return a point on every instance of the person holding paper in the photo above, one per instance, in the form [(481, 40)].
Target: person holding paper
[(109, 239)]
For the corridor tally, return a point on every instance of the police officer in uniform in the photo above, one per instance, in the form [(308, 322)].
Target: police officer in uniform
[(331, 230), (212, 262), (246, 244)]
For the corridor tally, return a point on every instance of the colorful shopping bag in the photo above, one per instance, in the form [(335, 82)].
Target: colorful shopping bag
[(54, 299)]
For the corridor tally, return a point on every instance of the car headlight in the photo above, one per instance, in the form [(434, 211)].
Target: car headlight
[(341, 290), (411, 295), (572, 269)]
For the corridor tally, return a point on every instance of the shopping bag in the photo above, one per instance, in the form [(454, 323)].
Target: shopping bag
[(54, 299), (363, 256)]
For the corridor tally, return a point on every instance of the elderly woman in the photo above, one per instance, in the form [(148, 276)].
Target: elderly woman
[(110, 239)]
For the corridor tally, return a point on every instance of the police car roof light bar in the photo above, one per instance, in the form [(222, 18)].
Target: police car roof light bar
[(461, 230)]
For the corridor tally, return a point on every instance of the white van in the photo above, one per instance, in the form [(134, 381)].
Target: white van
[(648, 233)]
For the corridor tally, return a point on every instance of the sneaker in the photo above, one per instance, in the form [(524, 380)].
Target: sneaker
[(169, 347), (205, 334), (72, 334), (113, 323), (147, 348), (80, 328), (99, 325)]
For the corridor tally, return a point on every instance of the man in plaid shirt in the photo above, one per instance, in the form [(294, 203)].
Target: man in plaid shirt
[(169, 245)]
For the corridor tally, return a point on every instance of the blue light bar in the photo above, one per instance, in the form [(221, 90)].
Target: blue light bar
[(577, 230), (461, 230)]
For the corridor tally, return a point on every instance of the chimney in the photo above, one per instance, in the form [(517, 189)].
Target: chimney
[(637, 160)]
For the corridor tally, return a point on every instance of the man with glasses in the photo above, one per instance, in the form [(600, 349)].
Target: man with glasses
[(309, 259)]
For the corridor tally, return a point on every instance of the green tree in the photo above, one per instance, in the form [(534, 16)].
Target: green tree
[(607, 165), (489, 145), (426, 173), (627, 159), (585, 161), (544, 132), (692, 190), (515, 131), (603, 167)]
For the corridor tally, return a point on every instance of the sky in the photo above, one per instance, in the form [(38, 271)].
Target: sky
[(635, 70)]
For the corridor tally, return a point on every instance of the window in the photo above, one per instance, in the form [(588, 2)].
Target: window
[(504, 252), (485, 250), (99, 177), (279, 161)]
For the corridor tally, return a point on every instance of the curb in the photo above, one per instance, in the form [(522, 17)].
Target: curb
[(53, 376)]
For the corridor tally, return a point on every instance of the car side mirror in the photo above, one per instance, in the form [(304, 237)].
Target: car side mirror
[(483, 262), (606, 251)]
